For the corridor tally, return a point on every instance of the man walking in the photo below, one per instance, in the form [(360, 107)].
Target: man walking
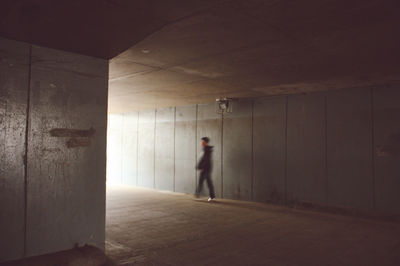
[(205, 167)]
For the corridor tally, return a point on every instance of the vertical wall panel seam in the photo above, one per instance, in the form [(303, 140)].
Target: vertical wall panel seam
[(121, 148), (373, 149), (326, 151), (154, 152), (174, 148), (252, 150), (222, 155), (195, 145), (27, 129), (137, 149), (286, 145)]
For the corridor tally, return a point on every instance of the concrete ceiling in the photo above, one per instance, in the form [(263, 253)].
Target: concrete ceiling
[(258, 48), (99, 28), (191, 51)]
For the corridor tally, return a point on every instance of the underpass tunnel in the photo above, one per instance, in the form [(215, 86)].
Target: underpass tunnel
[(104, 105)]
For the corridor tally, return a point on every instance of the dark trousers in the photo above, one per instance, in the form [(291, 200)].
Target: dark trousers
[(206, 175)]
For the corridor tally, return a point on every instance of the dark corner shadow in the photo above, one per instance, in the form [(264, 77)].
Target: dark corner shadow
[(86, 255)]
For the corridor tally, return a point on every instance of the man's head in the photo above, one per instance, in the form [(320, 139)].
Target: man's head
[(204, 141)]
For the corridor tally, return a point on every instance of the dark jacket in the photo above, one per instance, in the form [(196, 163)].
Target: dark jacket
[(205, 163)]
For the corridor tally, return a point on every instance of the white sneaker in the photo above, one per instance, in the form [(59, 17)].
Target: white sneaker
[(211, 199)]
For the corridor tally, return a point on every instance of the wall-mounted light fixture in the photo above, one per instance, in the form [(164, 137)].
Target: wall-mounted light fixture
[(223, 105)]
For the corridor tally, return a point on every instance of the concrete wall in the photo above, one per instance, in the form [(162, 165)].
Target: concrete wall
[(386, 145), (237, 152), (14, 79), (349, 149), (340, 148), (164, 149), (146, 148), (306, 169), (115, 149), (185, 149), (269, 142), (56, 199), (129, 148)]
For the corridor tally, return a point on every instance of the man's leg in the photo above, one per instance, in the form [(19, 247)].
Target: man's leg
[(200, 186), (210, 186)]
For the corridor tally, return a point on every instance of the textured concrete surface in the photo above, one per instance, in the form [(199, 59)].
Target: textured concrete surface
[(349, 149), (269, 142), (14, 76), (306, 148), (110, 26), (146, 227), (258, 48), (185, 149), (122, 148), (66, 185), (387, 148), (146, 131), (58, 200), (298, 149), (130, 148), (165, 149), (237, 152), (115, 131)]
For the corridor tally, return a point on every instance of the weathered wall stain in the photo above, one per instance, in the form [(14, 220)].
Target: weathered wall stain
[(78, 142), (66, 132), (78, 137)]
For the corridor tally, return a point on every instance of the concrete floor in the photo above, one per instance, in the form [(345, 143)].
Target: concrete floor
[(155, 228)]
